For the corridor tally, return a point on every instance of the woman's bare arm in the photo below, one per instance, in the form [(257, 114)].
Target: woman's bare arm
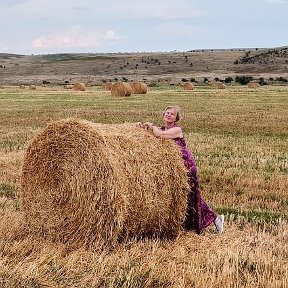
[(172, 133)]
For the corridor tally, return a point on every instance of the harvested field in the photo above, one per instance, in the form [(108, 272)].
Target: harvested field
[(239, 140)]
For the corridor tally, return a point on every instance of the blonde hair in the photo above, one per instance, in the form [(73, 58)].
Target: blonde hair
[(177, 110)]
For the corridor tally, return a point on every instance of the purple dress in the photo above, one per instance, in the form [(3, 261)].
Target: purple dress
[(199, 215)]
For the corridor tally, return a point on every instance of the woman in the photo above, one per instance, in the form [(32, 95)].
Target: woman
[(199, 214)]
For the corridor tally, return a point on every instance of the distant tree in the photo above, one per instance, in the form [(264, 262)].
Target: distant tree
[(243, 80), (262, 81), (281, 79), (228, 79)]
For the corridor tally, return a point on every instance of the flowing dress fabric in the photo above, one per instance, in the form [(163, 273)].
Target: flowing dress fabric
[(199, 215)]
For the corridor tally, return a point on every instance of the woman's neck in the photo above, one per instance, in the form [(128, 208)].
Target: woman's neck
[(169, 125)]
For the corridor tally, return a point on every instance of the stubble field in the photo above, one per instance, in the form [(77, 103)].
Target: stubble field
[(239, 139)]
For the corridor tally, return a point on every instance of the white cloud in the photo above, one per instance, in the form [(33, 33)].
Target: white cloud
[(76, 37)]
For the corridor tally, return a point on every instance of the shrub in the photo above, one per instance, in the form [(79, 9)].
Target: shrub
[(243, 80), (228, 79)]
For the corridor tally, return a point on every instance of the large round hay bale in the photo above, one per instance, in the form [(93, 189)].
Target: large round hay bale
[(79, 87), (89, 185), (121, 89), (22, 86), (139, 88), (107, 86), (1, 86), (68, 86), (188, 86), (253, 85), (32, 87), (220, 85)]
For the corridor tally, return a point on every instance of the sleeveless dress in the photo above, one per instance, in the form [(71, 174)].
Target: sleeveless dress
[(199, 215)]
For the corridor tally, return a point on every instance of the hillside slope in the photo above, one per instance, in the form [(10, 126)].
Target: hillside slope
[(150, 67)]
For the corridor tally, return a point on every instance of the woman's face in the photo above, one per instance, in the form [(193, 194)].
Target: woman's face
[(170, 116)]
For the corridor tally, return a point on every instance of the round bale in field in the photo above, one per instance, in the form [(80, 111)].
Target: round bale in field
[(68, 86), (32, 87), (22, 86), (188, 86), (1, 86), (121, 89), (253, 85), (79, 86), (91, 185), (220, 86), (107, 86), (139, 88)]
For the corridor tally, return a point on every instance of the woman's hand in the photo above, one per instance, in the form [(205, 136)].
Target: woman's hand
[(148, 125), (139, 125)]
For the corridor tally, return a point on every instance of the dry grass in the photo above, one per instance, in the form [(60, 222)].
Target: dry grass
[(235, 259), (239, 139)]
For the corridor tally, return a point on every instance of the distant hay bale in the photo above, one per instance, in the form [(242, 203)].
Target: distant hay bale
[(121, 89), (89, 184), (139, 88), (79, 86), (220, 86), (253, 85), (107, 86), (2, 86), (188, 86), (22, 86), (32, 87), (68, 86)]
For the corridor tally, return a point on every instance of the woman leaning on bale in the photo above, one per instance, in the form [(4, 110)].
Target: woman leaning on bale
[(199, 215)]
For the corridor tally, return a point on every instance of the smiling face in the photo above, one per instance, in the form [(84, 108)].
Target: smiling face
[(170, 116)]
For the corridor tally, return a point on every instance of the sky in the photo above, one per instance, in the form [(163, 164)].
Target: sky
[(112, 26)]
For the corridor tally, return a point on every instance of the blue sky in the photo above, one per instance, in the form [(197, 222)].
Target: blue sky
[(104, 26)]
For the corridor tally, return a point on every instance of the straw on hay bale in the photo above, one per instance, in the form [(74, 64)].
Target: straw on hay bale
[(188, 86), (253, 85), (68, 86), (22, 86), (32, 87), (121, 89), (107, 86), (139, 88), (220, 86), (89, 184), (79, 86)]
